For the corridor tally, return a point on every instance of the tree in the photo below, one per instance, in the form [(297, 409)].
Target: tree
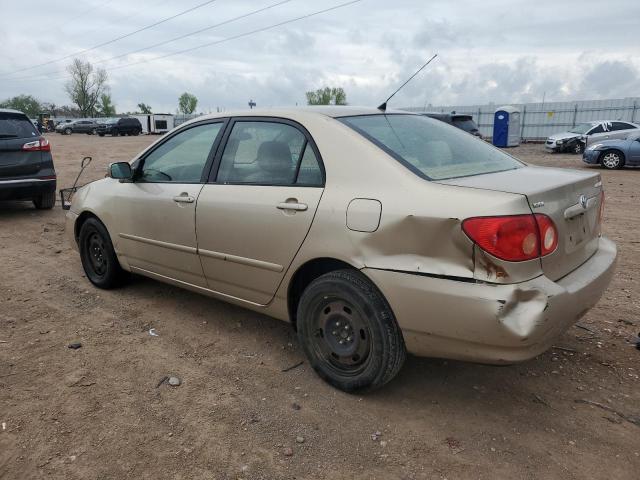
[(187, 103), (86, 86), (327, 96), (144, 108), (25, 103), (105, 106)]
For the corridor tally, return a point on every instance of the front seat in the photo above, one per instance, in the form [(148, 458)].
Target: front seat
[(274, 164)]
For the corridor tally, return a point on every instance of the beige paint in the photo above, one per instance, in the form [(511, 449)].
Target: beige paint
[(450, 298)]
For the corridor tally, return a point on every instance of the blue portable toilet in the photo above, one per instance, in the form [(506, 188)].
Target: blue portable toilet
[(506, 127)]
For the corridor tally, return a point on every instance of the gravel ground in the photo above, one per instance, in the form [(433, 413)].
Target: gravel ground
[(98, 413)]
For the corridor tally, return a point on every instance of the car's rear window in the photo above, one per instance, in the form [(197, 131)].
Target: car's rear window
[(465, 123), (429, 148), (16, 125)]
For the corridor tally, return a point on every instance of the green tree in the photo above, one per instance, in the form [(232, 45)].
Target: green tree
[(187, 103), (105, 106), (144, 108), (86, 86), (327, 96), (25, 103)]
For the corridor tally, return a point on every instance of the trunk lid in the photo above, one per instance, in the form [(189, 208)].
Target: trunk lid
[(571, 198)]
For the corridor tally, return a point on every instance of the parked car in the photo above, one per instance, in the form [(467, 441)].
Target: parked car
[(460, 120), (614, 154), (373, 234), (583, 134), (26, 164), (77, 126), (120, 126)]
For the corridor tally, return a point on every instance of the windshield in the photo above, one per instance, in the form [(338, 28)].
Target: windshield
[(581, 128), (429, 148)]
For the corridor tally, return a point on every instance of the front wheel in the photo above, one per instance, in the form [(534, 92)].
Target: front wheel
[(612, 160), (349, 333), (578, 148), (67, 131), (98, 256)]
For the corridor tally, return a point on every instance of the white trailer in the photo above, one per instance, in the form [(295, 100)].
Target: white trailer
[(155, 123)]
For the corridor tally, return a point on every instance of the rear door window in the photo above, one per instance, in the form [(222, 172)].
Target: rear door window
[(622, 126), (16, 125)]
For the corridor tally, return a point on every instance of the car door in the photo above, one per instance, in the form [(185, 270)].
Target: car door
[(155, 213), (597, 134), (633, 154), (622, 129), (257, 209)]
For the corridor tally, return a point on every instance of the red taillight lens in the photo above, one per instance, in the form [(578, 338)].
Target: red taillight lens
[(514, 238), (40, 145)]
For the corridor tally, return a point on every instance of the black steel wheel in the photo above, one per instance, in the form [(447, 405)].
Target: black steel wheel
[(99, 259), (348, 332)]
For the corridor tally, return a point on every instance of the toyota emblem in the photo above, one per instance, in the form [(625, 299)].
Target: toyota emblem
[(583, 201)]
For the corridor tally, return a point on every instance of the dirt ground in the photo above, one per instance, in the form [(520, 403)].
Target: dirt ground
[(98, 413)]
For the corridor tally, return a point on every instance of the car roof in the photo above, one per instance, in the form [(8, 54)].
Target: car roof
[(9, 110)]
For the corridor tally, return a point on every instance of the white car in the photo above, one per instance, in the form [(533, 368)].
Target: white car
[(584, 134)]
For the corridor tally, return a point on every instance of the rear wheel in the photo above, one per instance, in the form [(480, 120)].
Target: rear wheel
[(46, 201), (136, 132), (99, 257), (349, 332), (612, 160)]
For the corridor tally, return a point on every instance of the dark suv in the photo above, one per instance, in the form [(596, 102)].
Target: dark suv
[(460, 120), (120, 126), (26, 164)]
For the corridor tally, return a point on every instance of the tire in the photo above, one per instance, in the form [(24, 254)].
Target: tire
[(98, 257), (114, 133), (46, 201), (136, 133), (373, 350), (67, 131), (101, 134), (612, 159), (577, 148)]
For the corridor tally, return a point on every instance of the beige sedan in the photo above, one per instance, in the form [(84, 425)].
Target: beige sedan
[(373, 234)]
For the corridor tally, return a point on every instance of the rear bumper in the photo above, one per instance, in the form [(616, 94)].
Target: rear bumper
[(25, 189), (492, 323)]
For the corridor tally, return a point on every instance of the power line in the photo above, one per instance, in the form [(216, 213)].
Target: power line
[(217, 42), (46, 75), (147, 27)]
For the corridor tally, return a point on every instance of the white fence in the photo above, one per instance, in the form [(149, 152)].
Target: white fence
[(539, 120)]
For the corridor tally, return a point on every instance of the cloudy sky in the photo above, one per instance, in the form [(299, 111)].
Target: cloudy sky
[(491, 51)]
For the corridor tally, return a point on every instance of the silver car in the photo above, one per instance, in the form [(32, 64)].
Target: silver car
[(585, 134)]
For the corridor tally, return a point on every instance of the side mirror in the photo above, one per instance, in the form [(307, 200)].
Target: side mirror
[(120, 171)]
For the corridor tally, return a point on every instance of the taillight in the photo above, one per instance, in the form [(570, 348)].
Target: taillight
[(514, 238), (40, 145)]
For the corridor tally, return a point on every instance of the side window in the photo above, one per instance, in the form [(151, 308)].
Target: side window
[(262, 153), (622, 126), (309, 172), (182, 158), (597, 129)]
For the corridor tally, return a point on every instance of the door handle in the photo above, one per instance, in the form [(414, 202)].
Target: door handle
[(298, 207), (184, 198)]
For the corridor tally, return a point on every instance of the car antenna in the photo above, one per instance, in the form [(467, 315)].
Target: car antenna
[(383, 107)]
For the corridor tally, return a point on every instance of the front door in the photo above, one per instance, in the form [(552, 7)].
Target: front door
[(156, 212), (253, 219)]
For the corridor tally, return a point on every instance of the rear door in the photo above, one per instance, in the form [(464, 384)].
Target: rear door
[(622, 129), (155, 218), (16, 130), (254, 215)]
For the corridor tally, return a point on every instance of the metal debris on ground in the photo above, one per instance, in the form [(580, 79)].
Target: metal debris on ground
[(292, 367), (153, 333)]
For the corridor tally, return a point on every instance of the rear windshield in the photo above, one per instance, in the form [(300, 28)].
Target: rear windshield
[(16, 125), (429, 148)]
